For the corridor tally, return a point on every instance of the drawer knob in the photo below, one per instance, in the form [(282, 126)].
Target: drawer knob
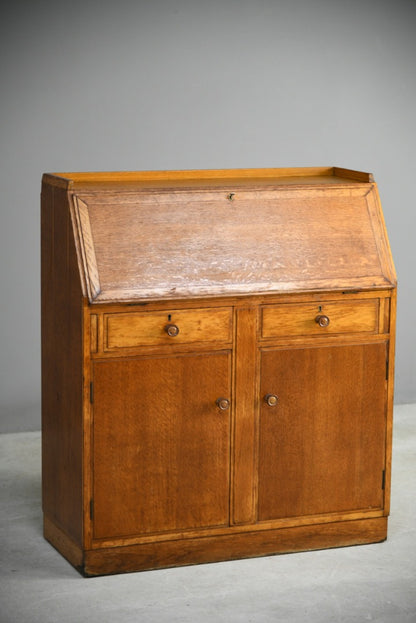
[(172, 330), (271, 400), (322, 320), (223, 403)]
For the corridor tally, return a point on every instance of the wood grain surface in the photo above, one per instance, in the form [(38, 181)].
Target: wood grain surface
[(193, 407), (165, 465), (209, 242), (301, 319), (322, 448), (150, 328)]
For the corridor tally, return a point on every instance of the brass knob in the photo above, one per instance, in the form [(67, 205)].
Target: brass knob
[(271, 400), (322, 320), (223, 403), (172, 330)]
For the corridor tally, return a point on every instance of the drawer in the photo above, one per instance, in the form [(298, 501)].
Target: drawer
[(129, 330), (360, 316)]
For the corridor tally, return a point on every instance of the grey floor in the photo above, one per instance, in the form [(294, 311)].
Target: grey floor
[(366, 583)]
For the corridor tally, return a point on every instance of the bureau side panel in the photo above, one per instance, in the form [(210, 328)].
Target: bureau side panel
[(61, 326)]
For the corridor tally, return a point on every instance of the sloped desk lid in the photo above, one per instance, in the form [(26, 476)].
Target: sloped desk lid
[(267, 231)]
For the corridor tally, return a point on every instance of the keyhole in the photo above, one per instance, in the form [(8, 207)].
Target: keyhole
[(170, 317)]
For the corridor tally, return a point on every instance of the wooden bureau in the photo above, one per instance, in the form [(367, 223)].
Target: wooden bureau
[(217, 365)]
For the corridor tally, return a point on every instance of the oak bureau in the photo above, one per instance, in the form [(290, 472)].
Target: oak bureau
[(217, 365)]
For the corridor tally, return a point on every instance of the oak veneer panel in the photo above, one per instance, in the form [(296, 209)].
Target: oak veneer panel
[(161, 445), (149, 328), (245, 423), (198, 242), (324, 442), (300, 319), (62, 365)]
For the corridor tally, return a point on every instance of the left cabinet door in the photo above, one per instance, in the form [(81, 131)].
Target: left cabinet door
[(161, 444)]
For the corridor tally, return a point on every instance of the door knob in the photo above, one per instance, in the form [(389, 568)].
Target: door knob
[(271, 399), (172, 330), (322, 320), (223, 403)]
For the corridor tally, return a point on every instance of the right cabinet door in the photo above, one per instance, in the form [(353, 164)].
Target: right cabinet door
[(322, 446)]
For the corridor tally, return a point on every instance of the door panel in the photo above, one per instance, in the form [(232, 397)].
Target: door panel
[(161, 444), (321, 449)]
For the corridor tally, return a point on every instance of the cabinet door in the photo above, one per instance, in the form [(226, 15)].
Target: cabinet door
[(322, 447), (160, 444)]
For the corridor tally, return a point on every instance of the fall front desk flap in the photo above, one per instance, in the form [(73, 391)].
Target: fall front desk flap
[(183, 234)]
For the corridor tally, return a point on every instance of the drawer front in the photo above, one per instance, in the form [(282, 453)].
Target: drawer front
[(320, 318), (167, 328)]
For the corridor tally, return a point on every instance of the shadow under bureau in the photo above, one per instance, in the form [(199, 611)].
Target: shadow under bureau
[(217, 365)]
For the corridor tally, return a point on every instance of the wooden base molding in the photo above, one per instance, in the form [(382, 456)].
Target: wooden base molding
[(63, 543), (182, 552)]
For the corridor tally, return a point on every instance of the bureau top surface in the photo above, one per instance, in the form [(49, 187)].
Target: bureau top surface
[(126, 181), (169, 235)]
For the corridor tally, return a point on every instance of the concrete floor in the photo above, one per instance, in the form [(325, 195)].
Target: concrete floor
[(366, 583)]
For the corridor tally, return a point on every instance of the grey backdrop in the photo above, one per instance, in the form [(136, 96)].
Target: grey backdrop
[(203, 84)]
